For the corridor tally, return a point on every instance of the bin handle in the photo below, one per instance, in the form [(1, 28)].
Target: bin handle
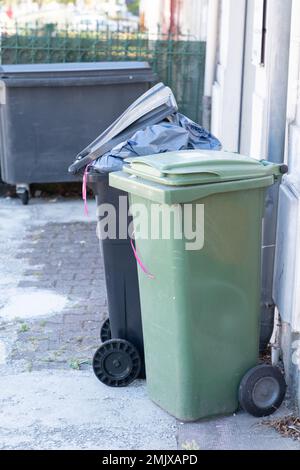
[(139, 261)]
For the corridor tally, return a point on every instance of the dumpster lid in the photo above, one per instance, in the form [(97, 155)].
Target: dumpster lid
[(199, 167), (21, 70)]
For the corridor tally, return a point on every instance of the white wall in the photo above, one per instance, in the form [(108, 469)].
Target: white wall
[(226, 96), (293, 113), (287, 270)]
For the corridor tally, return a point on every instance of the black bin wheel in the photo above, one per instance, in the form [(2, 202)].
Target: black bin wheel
[(105, 331), (262, 390), (117, 363), (24, 196)]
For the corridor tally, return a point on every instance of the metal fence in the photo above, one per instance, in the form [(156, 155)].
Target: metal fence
[(178, 61)]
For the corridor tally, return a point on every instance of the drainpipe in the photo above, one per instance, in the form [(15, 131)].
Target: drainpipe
[(279, 15), (211, 58)]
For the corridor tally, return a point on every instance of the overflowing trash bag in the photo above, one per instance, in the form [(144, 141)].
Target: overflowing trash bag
[(151, 125)]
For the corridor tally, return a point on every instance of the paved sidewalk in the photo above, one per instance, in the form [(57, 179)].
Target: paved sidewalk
[(52, 303), (61, 274)]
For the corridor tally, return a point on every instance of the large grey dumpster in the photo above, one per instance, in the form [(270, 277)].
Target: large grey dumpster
[(49, 111)]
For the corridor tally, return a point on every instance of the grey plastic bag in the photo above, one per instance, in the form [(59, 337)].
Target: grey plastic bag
[(179, 134), (199, 138)]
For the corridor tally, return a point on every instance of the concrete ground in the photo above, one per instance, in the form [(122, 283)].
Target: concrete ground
[(52, 303)]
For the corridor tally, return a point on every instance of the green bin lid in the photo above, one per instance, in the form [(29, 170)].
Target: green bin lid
[(194, 167)]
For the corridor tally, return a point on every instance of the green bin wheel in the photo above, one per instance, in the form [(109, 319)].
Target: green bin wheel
[(105, 331), (117, 363), (262, 390)]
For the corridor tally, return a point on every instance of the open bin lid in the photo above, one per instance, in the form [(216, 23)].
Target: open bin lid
[(151, 108), (196, 167)]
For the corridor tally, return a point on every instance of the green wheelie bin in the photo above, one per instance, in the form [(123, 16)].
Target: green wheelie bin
[(198, 224)]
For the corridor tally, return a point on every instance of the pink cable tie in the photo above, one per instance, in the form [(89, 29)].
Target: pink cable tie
[(140, 263)]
